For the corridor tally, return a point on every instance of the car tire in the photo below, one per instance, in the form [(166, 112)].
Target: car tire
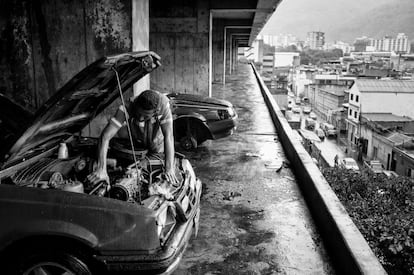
[(188, 143), (51, 262)]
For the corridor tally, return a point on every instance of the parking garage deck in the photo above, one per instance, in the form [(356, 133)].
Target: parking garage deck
[(254, 219)]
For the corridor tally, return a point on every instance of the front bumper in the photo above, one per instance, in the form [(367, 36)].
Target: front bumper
[(223, 128), (164, 261)]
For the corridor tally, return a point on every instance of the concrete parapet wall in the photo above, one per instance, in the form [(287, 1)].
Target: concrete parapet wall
[(348, 250)]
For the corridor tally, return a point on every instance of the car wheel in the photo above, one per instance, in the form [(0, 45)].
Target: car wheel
[(188, 143), (52, 262)]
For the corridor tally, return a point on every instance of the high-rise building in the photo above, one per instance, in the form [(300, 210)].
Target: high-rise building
[(361, 44), (315, 40), (399, 44)]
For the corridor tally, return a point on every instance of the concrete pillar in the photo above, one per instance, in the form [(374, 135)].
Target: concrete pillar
[(180, 35), (140, 37), (218, 50)]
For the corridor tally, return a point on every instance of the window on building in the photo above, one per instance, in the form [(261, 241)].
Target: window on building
[(350, 112), (355, 114), (352, 96), (410, 173), (375, 153), (356, 98)]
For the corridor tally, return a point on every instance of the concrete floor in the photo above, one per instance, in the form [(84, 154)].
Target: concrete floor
[(254, 219)]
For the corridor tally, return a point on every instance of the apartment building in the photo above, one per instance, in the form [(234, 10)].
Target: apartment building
[(367, 96), (301, 77), (399, 44), (268, 63), (327, 94), (315, 40)]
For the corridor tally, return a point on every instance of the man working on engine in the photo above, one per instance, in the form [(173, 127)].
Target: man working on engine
[(151, 124)]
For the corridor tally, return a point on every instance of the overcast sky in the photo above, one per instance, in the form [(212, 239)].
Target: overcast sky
[(301, 16)]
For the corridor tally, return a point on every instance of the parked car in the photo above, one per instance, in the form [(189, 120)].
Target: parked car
[(54, 220), (375, 166), (297, 101), (329, 129), (310, 123), (349, 163), (198, 118), (320, 133), (312, 115), (307, 110)]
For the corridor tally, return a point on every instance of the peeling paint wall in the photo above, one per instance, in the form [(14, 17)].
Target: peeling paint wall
[(45, 42), (110, 22), (16, 68)]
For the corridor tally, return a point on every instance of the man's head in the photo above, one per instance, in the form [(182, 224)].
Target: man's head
[(145, 104)]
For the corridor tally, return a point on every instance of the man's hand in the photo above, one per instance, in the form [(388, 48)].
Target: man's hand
[(170, 176), (97, 176)]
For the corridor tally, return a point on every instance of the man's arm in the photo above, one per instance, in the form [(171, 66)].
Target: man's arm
[(100, 172), (167, 131)]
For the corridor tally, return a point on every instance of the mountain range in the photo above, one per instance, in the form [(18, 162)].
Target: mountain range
[(343, 20)]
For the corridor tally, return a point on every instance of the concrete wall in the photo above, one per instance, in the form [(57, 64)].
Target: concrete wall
[(384, 150), (179, 34), (218, 50), (403, 162), (45, 43)]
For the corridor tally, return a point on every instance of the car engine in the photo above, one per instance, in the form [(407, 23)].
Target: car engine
[(127, 181)]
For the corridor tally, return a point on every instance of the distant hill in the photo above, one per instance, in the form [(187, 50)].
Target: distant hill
[(343, 19), (388, 19)]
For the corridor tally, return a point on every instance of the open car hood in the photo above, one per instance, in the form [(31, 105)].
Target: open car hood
[(80, 100)]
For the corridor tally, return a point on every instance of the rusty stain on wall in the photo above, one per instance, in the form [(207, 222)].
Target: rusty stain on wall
[(16, 52), (34, 56), (109, 20)]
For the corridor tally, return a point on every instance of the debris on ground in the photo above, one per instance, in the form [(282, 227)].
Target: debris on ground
[(286, 164), (279, 169), (230, 195)]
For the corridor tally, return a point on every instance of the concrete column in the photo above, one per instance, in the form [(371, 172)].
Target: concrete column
[(140, 37), (210, 54)]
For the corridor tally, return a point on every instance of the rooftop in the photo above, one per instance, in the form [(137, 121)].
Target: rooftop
[(385, 86), (385, 117), (334, 77), (399, 138)]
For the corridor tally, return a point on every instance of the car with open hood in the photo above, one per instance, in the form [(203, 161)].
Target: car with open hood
[(198, 118), (54, 220)]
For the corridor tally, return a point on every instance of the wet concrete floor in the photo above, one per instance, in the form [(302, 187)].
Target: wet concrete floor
[(253, 217)]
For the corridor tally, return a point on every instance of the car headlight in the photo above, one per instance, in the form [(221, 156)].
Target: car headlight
[(231, 112), (226, 113)]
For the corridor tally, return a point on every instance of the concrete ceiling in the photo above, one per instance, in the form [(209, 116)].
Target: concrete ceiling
[(257, 12)]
